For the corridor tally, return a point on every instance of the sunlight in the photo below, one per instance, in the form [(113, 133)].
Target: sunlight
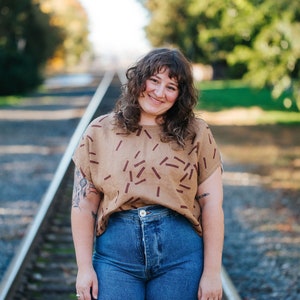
[(116, 28), (30, 115)]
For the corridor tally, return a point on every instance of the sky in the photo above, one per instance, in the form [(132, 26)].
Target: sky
[(116, 27)]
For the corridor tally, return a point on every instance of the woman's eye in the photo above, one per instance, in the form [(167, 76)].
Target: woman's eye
[(172, 88), (154, 80)]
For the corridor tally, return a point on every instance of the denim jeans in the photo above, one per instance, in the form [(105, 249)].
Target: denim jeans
[(150, 253)]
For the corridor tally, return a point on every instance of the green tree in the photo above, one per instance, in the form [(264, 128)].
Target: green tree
[(71, 17), (170, 24), (273, 55), (27, 41), (256, 39)]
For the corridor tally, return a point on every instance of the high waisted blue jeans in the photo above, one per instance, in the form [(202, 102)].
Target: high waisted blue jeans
[(150, 253)]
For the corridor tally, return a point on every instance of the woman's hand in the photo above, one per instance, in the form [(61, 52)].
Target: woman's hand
[(87, 284), (210, 287)]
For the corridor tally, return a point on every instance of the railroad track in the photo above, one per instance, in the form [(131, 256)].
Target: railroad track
[(45, 266)]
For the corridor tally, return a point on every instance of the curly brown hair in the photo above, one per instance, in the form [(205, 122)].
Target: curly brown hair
[(177, 122)]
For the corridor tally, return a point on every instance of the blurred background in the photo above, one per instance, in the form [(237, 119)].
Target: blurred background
[(257, 41), (246, 62)]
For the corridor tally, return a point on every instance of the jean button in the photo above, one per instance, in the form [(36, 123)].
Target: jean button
[(143, 213)]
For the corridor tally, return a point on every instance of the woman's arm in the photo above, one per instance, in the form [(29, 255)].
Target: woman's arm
[(85, 204), (210, 194)]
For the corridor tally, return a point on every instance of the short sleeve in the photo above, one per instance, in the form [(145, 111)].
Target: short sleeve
[(209, 157), (81, 156)]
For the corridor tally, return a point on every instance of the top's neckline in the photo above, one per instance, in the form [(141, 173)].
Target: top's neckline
[(154, 126)]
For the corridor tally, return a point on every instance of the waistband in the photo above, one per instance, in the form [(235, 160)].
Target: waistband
[(146, 212)]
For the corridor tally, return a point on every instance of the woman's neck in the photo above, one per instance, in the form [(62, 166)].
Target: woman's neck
[(148, 121)]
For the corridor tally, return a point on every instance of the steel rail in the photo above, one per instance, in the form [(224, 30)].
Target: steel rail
[(23, 253), (229, 290)]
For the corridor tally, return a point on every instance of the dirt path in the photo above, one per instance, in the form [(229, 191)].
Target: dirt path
[(272, 151), (262, 209)]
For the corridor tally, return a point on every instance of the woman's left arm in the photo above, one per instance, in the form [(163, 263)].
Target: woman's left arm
[(210, 195)]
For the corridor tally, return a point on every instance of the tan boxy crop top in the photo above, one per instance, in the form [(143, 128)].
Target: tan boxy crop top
[(138, 169)]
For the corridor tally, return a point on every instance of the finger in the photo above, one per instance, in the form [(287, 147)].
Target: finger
[(94, 291), (86, 295), (95, 294)]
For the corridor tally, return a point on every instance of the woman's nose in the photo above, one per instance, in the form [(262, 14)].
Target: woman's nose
[(160, 91)]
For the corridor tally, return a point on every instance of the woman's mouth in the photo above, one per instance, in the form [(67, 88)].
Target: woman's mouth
[(155, 100)]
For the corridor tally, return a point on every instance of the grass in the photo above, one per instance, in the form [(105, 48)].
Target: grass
[(9, 100), (228, 96)]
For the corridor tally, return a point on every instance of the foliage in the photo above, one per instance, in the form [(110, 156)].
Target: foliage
[(27, 40), (38, 34), (70, 16), (273, 54), (256, 39), (168, 25)]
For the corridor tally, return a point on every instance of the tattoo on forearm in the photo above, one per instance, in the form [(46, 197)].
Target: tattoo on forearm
[(82, 187), (198, 197), (79, 187)]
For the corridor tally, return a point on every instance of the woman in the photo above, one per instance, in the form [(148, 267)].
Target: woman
[(148, 178)]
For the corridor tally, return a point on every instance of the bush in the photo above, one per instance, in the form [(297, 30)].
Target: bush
[(27, 40), (18, 73)]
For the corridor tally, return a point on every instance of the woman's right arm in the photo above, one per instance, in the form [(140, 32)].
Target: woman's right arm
[(85, 205)]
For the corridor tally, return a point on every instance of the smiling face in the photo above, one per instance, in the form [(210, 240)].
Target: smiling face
[(159, 96)]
